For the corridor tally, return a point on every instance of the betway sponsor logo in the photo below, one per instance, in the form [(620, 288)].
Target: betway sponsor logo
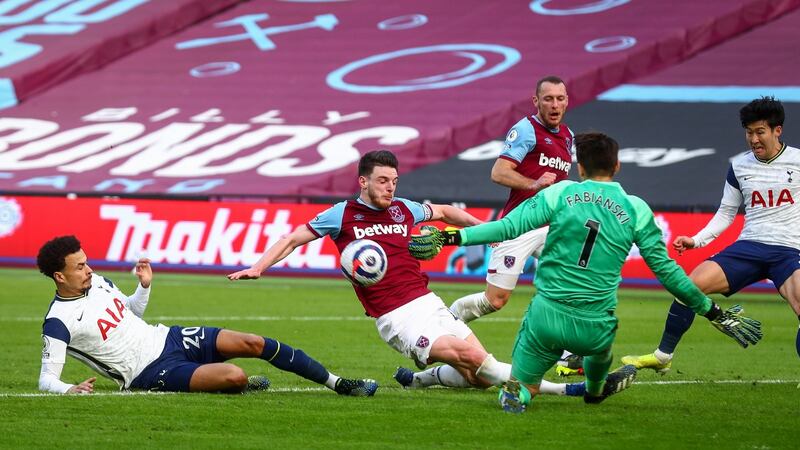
[(555, 163), (378, 229), (223, 241)]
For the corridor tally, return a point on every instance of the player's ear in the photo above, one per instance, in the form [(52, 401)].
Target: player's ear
[(59, 277), (617, 168), (778, 130)]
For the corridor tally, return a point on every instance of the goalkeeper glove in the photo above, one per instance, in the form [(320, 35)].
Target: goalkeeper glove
[(743, 330), (427, 245)]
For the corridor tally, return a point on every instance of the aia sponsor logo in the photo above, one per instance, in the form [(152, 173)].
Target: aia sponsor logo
[(768, 199)]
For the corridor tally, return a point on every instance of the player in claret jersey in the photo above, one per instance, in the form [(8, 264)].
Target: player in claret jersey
[(766, 181), (410, 318), (93, 321)]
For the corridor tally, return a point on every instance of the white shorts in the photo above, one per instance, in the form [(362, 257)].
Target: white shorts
[(508, 258), (413, 328)]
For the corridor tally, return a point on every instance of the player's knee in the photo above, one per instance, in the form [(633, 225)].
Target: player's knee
[(236, 378), (498, 298), (253, 344)]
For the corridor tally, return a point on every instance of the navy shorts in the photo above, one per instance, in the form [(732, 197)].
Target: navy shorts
[(185, 350), (746, 262)]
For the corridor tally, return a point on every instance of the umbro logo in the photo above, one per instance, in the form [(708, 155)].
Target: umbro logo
[(548, 141), (358, 217)]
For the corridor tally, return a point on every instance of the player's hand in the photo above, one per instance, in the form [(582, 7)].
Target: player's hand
[(683, 243), (744, 330), (87, 387), (144, 272), (545, 180), (246, 274)]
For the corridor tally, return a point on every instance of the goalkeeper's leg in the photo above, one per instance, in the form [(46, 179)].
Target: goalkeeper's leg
[(596, 369)]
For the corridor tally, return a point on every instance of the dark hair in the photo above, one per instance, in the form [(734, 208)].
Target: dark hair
[(376, 158), (548, 79), (764, 108), (597, 153), (52, 254)]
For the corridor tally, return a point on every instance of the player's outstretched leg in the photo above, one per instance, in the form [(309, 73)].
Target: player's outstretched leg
[(470, 307), (297, 361), (617, 381), (679, 319), (447, 376)]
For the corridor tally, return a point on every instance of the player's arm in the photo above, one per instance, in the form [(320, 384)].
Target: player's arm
[(647, 235), (452, 216), (54, 355), (504, 172), (529, 215), (729, 205), (281, 249)]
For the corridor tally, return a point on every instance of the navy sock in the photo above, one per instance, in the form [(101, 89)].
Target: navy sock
[(797, 342), (679, 320), (293, 360)]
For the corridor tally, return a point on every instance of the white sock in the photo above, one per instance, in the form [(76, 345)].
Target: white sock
[(470, 307), (662, 357), (439, 376), (547, 387), (494, 371), (330, 383)]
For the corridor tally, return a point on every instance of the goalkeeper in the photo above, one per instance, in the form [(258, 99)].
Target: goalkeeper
[(593, 225)]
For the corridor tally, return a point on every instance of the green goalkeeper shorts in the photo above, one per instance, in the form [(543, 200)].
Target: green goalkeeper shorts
[(548, 328)]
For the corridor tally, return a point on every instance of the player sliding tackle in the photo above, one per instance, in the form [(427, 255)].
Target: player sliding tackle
[(593, 225)]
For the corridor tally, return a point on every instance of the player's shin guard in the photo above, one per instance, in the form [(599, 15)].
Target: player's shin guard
[(679, 319), (470, 307), (596, 369), (293, 360)]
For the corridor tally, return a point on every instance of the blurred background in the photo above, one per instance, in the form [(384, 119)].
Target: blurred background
[(197, 132)]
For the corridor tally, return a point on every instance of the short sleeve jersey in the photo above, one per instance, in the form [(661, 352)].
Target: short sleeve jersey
[(592, 228), (391, 228), (536, 149)]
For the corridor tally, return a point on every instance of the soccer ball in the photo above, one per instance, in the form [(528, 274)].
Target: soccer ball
[(364, 262)]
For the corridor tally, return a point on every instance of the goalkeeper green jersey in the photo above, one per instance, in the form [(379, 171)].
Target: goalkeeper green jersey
[(593, 225)]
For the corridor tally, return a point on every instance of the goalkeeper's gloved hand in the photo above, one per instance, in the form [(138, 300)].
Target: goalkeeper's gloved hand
[(427, 245), (743, 330)]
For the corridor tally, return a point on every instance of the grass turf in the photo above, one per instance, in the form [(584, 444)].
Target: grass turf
[(717, 395)]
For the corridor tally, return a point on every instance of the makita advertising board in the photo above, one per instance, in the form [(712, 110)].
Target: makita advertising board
[(220, 236)]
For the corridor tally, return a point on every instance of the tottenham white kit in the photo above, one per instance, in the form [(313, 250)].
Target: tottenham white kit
[(102, 328), (770, 192)]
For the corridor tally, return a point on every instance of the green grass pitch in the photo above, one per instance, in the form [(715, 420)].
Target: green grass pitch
[(717, 395)]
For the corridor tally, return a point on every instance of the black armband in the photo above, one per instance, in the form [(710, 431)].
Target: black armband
[(714, 312), (452, 237)]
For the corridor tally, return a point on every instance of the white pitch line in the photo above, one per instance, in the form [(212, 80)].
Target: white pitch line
[(393, 388)]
